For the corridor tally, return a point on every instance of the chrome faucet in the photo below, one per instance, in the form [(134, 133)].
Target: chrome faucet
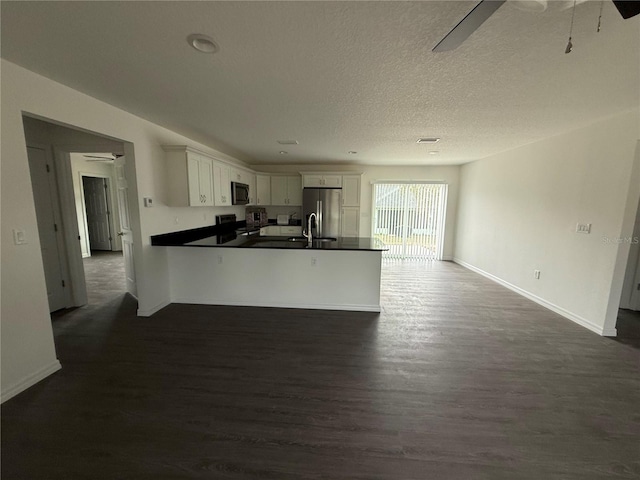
[(308, 234)]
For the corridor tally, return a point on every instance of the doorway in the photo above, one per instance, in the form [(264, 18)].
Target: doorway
[(72, 194), (628, 321), (409, 218), (94, 178)]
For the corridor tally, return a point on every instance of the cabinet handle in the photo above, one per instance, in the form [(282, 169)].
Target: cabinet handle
[(204, 199)]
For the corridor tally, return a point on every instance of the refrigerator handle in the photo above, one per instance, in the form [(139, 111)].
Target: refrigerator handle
[(319, 218)]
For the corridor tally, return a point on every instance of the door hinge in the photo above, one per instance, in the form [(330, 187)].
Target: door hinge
[(639, 286), (105, 185), (110, 238), (55, 227), (48, 169), (63, 283)]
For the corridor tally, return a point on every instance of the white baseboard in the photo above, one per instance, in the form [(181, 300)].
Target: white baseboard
[(29, 381), (147, 312), (541, 301), (350, 308)]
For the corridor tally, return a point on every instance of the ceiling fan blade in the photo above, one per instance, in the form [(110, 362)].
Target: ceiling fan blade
[(469, 24), (627, 9), (91, 158)]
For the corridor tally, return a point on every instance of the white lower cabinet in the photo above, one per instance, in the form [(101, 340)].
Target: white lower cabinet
[(350, 221)]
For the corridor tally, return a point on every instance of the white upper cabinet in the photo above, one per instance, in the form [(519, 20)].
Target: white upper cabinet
[(190, 174), (321, 180), (251, 181), (263, 190), (351, 190), (351, 222), (286, 190), (221, 184)]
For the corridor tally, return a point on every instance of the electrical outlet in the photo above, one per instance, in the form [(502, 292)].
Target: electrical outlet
[(583, 228), (219, 259), (314, 261), (536, 274)]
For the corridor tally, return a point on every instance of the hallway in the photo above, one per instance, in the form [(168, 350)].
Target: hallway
[(105, 277)]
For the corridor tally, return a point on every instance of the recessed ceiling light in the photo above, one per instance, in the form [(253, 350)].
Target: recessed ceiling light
[(202, 43), (352, 152), (288, 142), (282, 152), (433, 152), (428, 140)]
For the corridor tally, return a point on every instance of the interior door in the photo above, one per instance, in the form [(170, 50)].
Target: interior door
[(125, 232), (96, 206), (49, 225)]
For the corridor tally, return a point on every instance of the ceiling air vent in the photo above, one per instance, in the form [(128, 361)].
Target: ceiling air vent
[(288, 142), (428, 140)]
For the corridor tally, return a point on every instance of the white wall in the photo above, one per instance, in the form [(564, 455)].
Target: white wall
[(518, 212), (448, 174), (28, 352)]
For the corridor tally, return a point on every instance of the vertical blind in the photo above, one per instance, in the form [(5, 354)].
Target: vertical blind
[(409, 219)]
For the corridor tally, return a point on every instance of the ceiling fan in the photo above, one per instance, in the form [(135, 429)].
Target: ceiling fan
[(485, 8), (99, 158)]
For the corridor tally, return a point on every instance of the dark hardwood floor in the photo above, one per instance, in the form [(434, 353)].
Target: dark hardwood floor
[(457, 378)]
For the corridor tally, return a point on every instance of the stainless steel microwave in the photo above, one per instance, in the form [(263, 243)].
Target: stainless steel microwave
[(239, 193)]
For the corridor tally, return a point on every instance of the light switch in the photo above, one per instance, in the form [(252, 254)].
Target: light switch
[(148, 202), (583, 228), (19, 237)]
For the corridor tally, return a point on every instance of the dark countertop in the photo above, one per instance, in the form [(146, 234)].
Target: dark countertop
[(211, 237)]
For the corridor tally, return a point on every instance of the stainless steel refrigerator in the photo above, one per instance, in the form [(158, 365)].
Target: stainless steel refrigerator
[(326, 203)]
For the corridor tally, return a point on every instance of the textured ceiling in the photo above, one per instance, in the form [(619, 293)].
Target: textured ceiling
[(336, 76)]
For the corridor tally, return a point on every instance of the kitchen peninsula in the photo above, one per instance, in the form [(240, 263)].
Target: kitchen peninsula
[(208, 266)]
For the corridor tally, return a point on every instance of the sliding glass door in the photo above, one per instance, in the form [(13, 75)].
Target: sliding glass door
[(409, 219)]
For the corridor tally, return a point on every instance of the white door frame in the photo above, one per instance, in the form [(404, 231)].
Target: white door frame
[(630, 298)]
